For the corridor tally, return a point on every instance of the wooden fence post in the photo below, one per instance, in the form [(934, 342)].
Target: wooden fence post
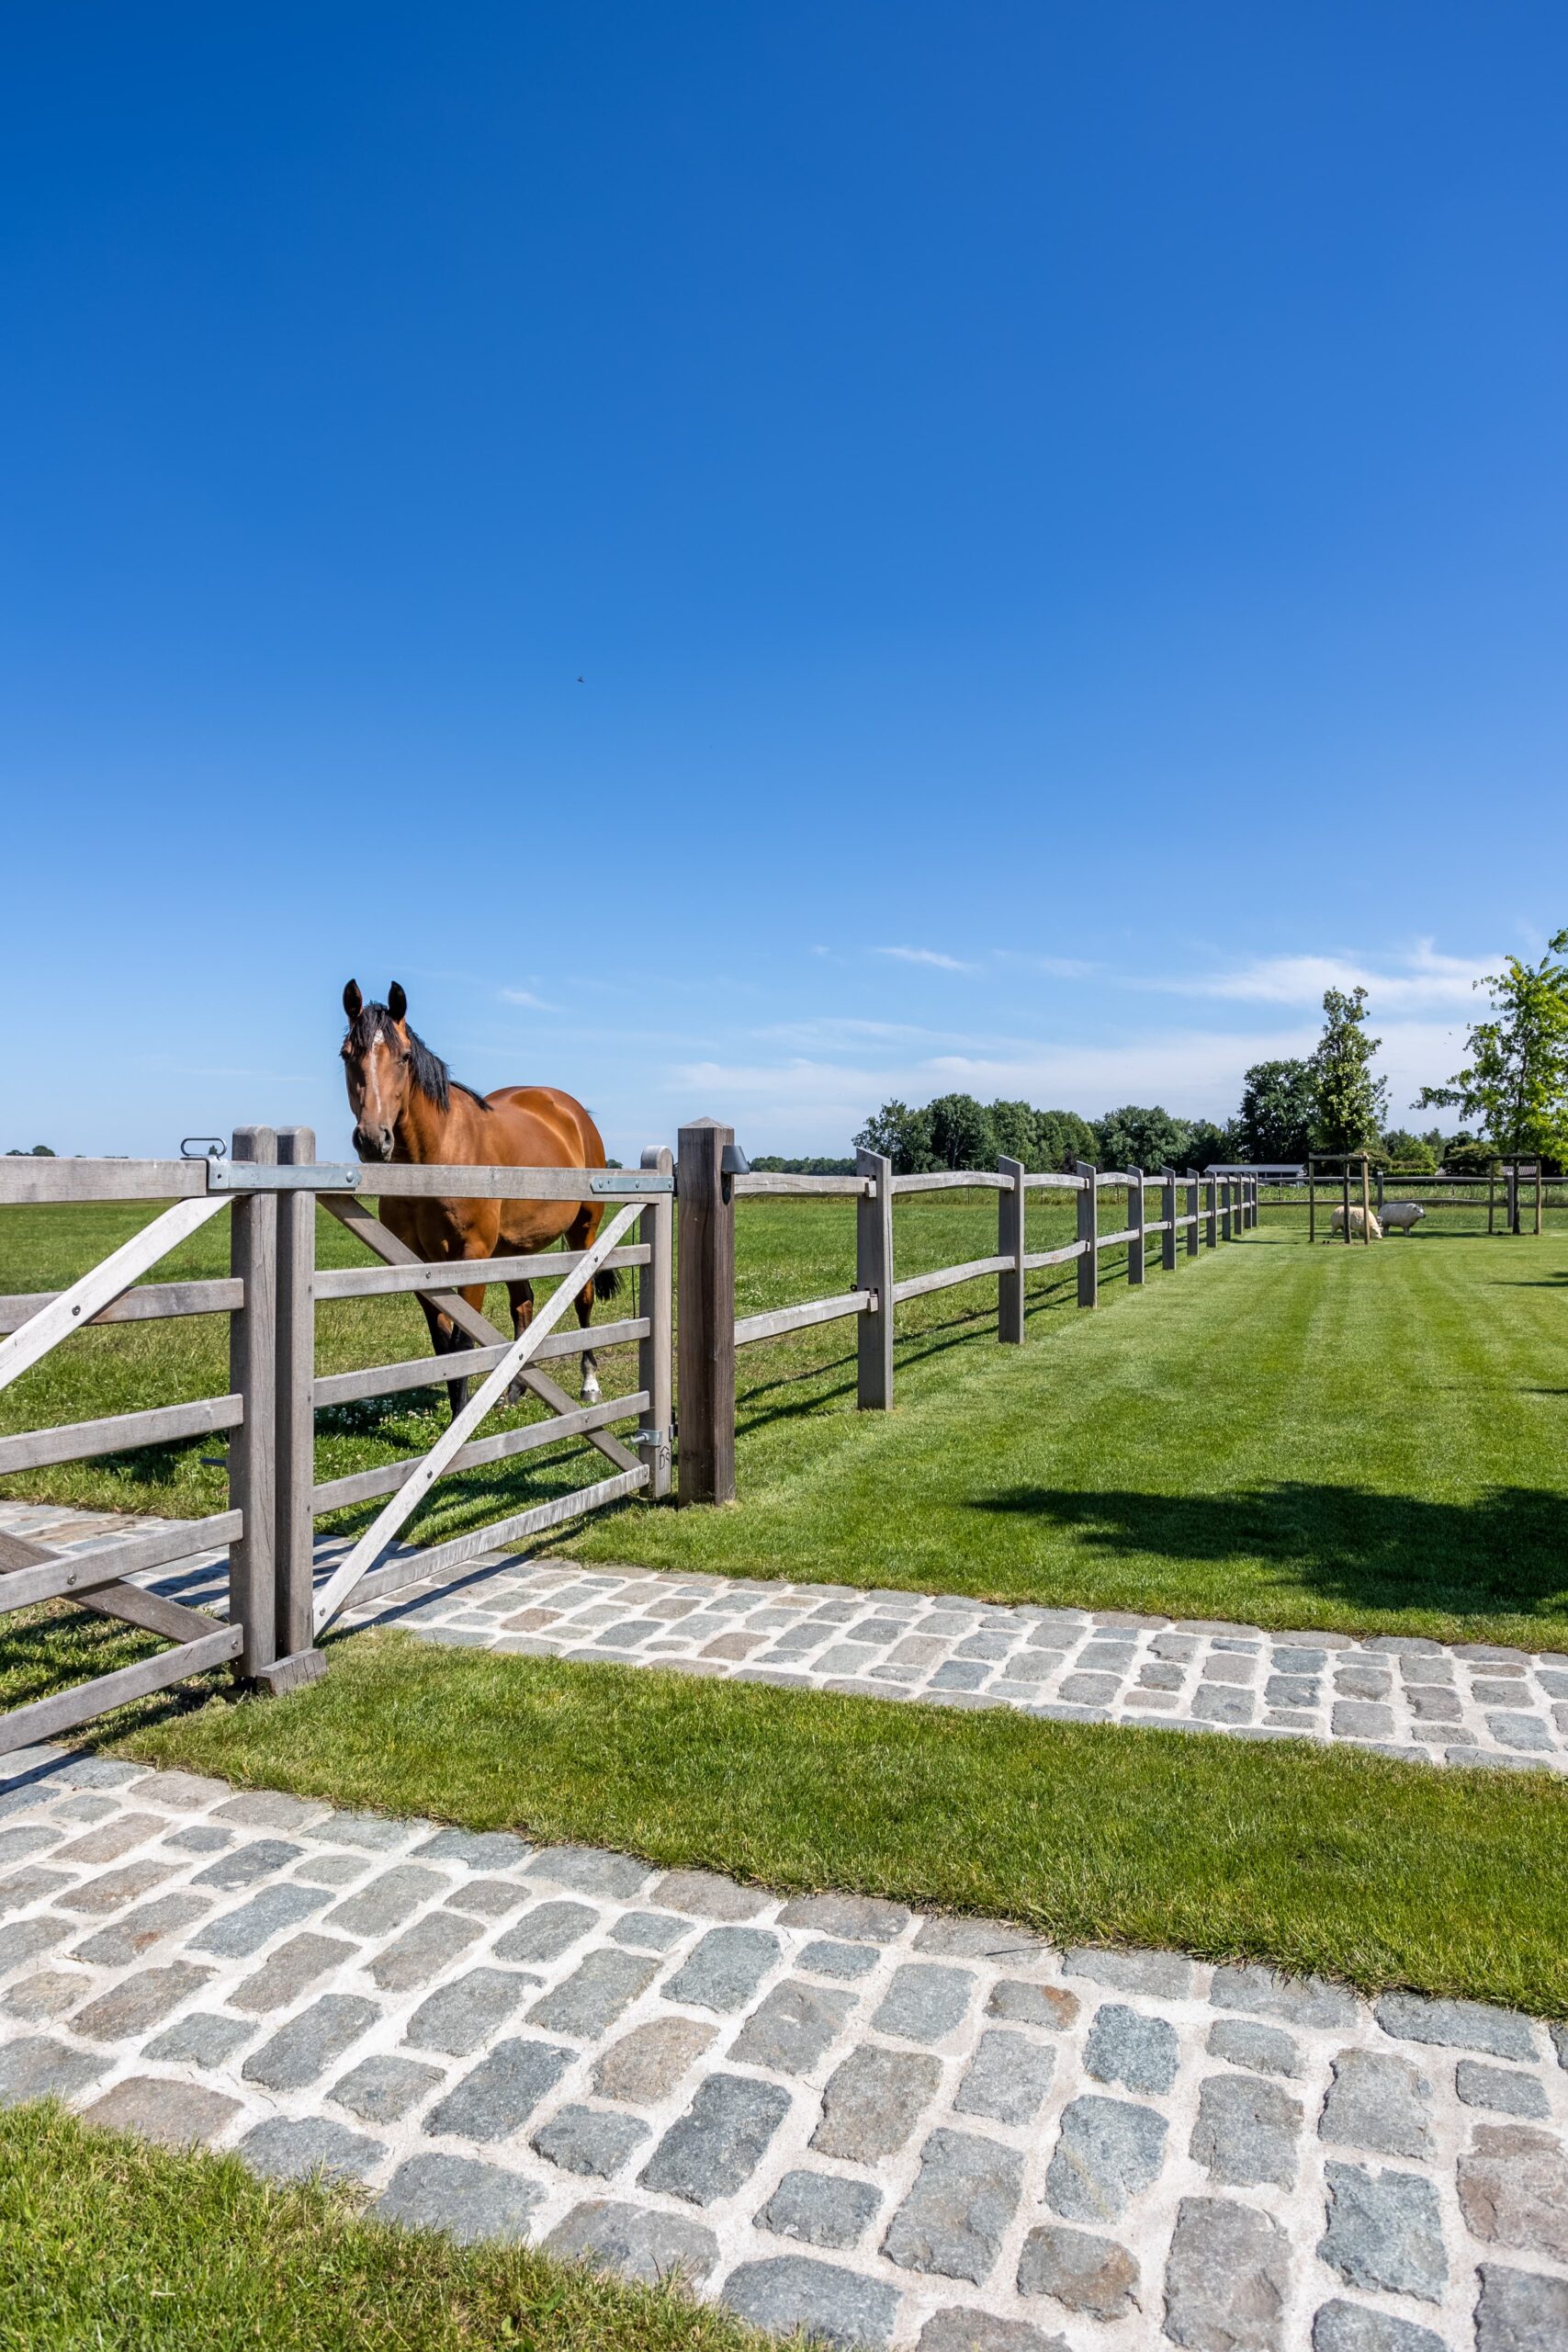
[(1167, 1210), (1211, 1213), (705, 1320), (298, 1660), (1194, 1231), (873, 1272), (252, 1260), (1379, 1191), (1366, 1205), (1010, 1244), (1135, 1224), (1512, 1179), (1538, 1198), (656, 1305), (1089, 1231)]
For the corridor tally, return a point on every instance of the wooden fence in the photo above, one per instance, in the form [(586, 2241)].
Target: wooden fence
[(279, 1603), (1194, 1210)]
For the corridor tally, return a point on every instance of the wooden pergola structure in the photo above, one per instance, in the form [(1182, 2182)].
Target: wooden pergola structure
[(1321, 1166)]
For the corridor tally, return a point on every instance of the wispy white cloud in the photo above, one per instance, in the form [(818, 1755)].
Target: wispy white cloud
[(1057, 967), (1418, 980), (928, 956), (526, 997)]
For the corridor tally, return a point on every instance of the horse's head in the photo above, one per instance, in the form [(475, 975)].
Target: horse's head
[(377, 1066)]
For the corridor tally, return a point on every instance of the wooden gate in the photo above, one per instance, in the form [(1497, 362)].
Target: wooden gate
[(111, 1292), (640, 1198)]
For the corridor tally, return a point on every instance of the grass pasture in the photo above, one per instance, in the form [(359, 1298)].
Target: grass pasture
[(108, 2241), (1367, 1440)]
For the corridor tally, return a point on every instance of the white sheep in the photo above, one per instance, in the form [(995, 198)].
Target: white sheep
[(1374, 1230), (1402, 1215)]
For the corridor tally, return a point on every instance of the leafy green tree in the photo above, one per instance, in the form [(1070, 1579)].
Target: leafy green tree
[(1207, 1144), (1274, 1123), (1516, 1081), (904, 1134), (1135, 1137), (1466, 1155), (963, 1132), (1408, 1155), (1064, 1138), (1350, 1105), (1016, 1127)]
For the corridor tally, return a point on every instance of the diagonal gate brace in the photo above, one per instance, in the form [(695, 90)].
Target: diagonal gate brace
[(378, 1537)]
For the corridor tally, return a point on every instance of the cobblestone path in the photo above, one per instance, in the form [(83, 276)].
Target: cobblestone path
[(1465, 1703), (831, 2112)]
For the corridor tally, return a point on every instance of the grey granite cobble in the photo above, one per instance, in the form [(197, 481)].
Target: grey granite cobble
[(1098, 2149)]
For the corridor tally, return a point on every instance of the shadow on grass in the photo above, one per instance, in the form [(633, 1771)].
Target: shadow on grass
[(1506, 1550)]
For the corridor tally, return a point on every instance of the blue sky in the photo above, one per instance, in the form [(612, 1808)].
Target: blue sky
[(761, 557)]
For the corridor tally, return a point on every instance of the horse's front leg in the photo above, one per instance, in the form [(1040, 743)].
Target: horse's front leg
[(445, 1339), (589, 1364)]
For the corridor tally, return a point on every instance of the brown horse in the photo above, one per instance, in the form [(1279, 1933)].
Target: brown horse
[(407, 1106)]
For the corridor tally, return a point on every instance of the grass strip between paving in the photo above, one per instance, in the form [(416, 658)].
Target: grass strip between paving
[(106, 2240), (1311, 1858)]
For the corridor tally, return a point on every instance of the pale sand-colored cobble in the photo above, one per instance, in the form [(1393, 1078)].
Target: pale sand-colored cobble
[(896, 2128)]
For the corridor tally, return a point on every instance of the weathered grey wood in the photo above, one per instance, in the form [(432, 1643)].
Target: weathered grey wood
[(656, 1303), (1009, 1247), (387, 1478), (1037, 1258), (80, 1441), (1194, 1227), (125, 1601), (1135, 1224), (1211, 1213), (32, 1572), (1052, 1184), (295, 1403), (102, 1179), (949, 1180), (143, 1303), (1167, 1221), (415, 1372), (361, 1221), (1366, 1207), (407, 1180), (252, 1455), (1088, 1241), (62, 1710), (704, 1316), (762, 1184), (77, 1306), (1110, 1241), (749, 1329), (974, 1269), (377, 1538), (292, 1673), (598, 1336), (386, 1281), (874, 1274), (417, 1566)]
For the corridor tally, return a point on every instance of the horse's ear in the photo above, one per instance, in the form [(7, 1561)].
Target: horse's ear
[(353, 1002), (397, 1003)]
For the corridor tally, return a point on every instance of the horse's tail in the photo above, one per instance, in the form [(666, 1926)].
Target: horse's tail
[(607, 1282)]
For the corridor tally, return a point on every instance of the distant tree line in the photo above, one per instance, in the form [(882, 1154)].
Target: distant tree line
[(1514, 1091)]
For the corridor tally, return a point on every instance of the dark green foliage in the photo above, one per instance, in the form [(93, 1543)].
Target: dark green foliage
[(1408, 1155), (1515, 1082), (904, 1136), (963, 1132), (1349, 1104), (1063, 1140), (770, 1164), (1135, 1137), (1274, 1123)]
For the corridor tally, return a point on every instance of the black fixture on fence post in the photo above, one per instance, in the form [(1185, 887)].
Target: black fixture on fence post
[(705, 1315)]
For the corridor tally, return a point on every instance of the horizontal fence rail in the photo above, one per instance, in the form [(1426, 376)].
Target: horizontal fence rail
[(1188, 1209)]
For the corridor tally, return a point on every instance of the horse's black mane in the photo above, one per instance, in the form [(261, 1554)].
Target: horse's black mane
[(429, 1072)]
